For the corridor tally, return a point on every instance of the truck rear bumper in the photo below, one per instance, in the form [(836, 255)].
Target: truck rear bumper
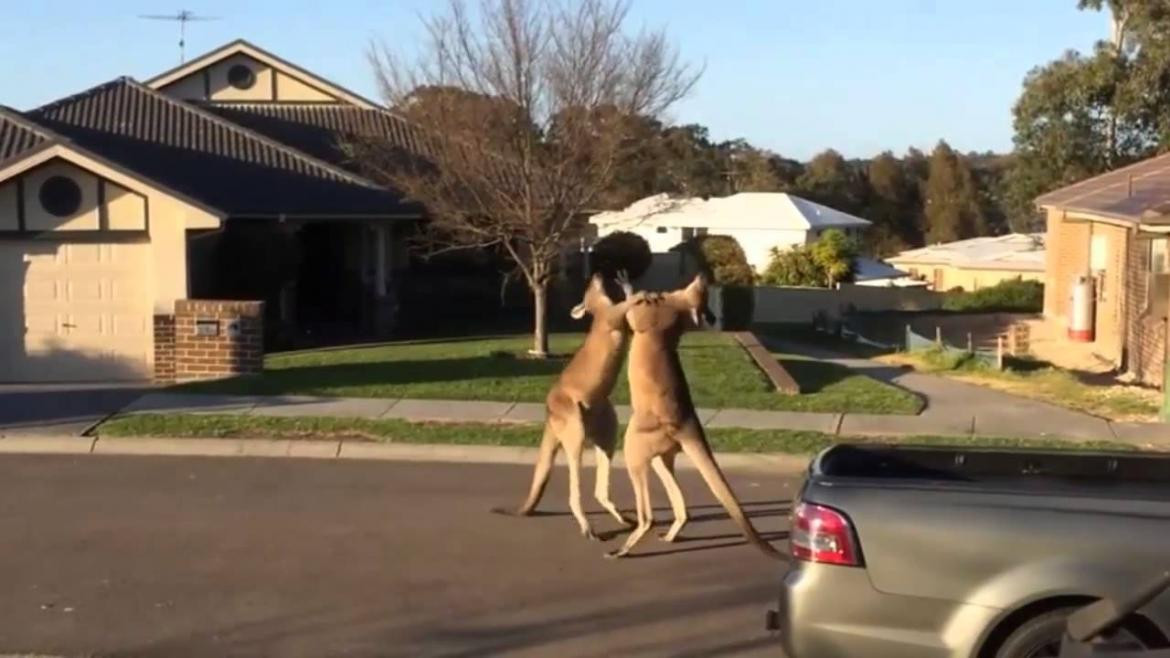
[(828, 611)]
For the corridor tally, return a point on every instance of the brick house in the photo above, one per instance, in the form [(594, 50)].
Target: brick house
[(1114, 228)]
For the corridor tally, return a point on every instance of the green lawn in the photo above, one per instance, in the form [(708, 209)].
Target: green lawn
[(718, 370), (400, 431)]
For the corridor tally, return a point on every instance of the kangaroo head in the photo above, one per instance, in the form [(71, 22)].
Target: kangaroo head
[(676, 311)]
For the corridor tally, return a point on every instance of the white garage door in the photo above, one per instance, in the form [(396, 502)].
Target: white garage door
[(75, 311)]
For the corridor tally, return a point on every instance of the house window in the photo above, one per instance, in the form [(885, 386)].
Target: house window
[(1158, 288), (60, 196), (688, 233), (661, 229), (241, 77), (702, 230)]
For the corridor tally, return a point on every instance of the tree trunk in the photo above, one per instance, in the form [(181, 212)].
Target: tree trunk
[(540, 322)]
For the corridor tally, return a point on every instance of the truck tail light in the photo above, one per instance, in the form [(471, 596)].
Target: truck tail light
[(822, 534)]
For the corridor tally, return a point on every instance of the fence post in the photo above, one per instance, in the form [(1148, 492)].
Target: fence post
[(906, 346), (938, 335), (999, 352), (970, 344)]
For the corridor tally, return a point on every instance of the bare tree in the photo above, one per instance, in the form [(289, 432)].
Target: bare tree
[(522, 109)]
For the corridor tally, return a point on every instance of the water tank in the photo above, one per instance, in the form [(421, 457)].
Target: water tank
[(1081, 309)]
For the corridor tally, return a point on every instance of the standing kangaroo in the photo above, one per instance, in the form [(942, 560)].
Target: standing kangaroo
[(579, 410), (663, 421)]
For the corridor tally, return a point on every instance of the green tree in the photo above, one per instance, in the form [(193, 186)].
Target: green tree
[(1086, 113), (834, 253), (952, 206), (893, 206), (794, 266), (824, 263), (830, 180)]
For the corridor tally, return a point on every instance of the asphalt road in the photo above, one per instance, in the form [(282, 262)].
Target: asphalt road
[(141, 556)]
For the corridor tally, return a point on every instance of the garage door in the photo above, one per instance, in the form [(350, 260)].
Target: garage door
[(75, 311)]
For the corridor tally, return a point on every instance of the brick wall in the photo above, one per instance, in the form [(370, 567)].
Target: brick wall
[(1146, 336), (209, 340), (164, 349), (1067, 247)]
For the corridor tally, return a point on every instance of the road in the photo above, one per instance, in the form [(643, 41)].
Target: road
[(163, 556)]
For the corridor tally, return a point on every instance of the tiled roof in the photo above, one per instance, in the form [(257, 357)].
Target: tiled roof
[(17, 135), (320, 130), (213, 160), (1124, 193)]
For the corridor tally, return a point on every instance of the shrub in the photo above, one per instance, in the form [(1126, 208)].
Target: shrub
[(621, 250), (722, 260), (792, 267), (827, 261), (1011, 295)]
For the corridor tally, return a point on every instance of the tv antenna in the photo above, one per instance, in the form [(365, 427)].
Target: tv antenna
[(182, 17)]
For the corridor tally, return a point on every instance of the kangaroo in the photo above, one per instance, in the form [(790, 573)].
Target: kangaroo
[(663, 421), (579, 410)]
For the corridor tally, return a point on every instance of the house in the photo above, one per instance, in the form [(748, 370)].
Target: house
[(875, 273), (759, 221), (122, 200), (976, 263), (1113, 228)]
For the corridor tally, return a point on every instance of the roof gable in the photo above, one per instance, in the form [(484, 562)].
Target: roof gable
[(275, 80), (745, 210), (19, 137), (211, 159)]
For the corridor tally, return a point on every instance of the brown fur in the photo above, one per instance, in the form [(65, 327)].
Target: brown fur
[(579, 410), (663, 421)]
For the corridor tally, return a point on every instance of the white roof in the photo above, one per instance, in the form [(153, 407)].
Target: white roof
[(1014, 251), (757, 210)]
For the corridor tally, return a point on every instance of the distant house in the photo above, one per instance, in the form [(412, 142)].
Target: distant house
[(976, 263), (875, 273), (759, 221), (1114, 228)]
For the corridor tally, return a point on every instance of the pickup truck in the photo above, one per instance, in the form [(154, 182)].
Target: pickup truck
[(915, 552)]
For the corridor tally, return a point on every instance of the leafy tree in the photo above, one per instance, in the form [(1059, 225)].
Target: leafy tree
[(794, 266), (834, 253), (893, 206), (824, 263), (1086, 113), (953, 210), (722, 259), (830, 180)]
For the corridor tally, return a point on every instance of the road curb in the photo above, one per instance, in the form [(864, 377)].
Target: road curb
[(347, 450)]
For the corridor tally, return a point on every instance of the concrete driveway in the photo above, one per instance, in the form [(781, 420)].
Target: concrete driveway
[(61, 409), (165, 556)]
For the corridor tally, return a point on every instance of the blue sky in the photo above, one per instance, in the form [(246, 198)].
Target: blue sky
[(794, 76)]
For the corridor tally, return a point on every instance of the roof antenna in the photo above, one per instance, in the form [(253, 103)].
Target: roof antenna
[(182, 17)]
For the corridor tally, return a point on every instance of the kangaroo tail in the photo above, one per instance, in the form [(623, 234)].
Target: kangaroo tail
[(544, 461), (696, 449)]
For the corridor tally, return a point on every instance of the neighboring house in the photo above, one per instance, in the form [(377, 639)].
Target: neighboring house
[(975, 263), (1113, 228), (875, 273), (759, 221), (114, 203)]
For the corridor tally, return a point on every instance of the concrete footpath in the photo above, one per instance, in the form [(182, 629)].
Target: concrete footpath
[(1008, 416)]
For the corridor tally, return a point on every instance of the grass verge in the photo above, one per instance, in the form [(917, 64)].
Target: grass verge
[(1039, 380), (720, 374), (401, 431)]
